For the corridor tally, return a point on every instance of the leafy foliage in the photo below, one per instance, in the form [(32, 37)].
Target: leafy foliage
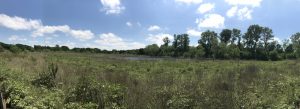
[(96, 81), (47, 78), (256, 43)]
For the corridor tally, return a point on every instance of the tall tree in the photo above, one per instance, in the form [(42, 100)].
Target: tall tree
[(295, 38), (225, 36), (266, 37), (185, 42), (166, 41), (152, 50), (175, 45), (236, 35), (181, 44), (209, 42), (252, 37)]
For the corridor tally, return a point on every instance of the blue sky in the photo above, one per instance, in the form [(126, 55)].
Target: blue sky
[(130, 24)]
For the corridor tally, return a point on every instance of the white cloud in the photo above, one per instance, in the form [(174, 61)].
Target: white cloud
[(78, 34), (278, 40), (139, 24), (211, 21), (16, 38), (38, 29), (13, 38), (154, 28), (112, 6), (232, 11), (205, 8), (188, 2), (50, 29), (49, 38), (111, 41), (193, 32), (18, 23), (129, 24), (253, 3), (158, 38), (69, 44), (82, 34), (244, 13)]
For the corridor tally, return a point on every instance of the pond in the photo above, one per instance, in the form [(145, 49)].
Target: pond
[(148, 58)]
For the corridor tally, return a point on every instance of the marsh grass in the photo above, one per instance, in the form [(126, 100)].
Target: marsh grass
[(101, 81)]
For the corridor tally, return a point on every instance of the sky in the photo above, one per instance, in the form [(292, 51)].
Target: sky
[(133, 24)]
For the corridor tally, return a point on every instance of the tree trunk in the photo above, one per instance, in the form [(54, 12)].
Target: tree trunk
[(3, 104)]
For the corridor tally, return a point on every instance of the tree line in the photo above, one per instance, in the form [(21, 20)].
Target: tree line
[(257, 43)]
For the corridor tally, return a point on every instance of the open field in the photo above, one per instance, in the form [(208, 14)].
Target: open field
[(100, 81)]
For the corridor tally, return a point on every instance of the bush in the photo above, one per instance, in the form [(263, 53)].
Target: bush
[(1, 49), (20, 94), (47, 78), (152, 50), (14, 49), (274, 56), (88, 91), (290, 56)]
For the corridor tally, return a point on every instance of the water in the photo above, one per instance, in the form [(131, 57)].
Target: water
[(148, 58)]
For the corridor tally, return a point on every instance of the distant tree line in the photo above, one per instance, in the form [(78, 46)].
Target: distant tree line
[(257, 43), (17, 48)]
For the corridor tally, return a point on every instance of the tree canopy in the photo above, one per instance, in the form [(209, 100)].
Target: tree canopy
[(256, 43)]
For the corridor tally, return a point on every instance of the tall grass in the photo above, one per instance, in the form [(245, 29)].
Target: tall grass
[(99, 81)]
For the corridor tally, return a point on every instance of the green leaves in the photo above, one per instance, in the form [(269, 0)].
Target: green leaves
[(47, 78)]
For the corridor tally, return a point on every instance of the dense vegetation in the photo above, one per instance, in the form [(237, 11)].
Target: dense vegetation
[(257, 43), (43, 77), (78, 81)]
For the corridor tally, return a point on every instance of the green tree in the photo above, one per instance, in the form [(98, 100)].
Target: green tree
[(165, 50), (24, 47), (266, 37), (194, 52), (274, 55), (175, 45), (295, 39), (252, 37), (225, 36), (209, 42), (1, 49), (222, 51), (236, 35), (185, 42), (65, 48), (200, 52), (14, 49), (56, 48), (166, 41), (152, 50), (233, 51), (181, 44)]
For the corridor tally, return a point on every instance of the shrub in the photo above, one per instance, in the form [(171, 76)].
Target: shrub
[(47, 78), (20, 94), (291, 56), (87, 91), (152, 50), (274, 56), (14, 49), (1, 49)]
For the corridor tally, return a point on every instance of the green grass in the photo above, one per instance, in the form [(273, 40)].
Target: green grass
[(102, 81)]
